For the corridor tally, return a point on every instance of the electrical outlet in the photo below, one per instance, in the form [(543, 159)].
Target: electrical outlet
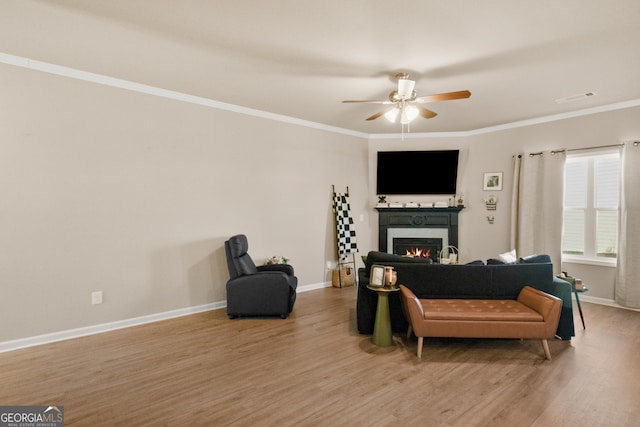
[(96, 297)]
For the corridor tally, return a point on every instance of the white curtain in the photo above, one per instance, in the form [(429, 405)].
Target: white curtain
[(537, 205), (627, 284)]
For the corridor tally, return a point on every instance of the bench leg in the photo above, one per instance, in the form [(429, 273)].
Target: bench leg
[(545, 347), (420, 347)]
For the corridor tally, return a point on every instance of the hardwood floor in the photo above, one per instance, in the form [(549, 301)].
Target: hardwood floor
[(314, 369)]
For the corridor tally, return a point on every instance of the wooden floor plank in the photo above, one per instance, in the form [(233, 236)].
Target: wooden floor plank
[(315, 369)]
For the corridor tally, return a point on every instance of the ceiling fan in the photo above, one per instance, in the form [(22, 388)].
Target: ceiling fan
[(404, 100)]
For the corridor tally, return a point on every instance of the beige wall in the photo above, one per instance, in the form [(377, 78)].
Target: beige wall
[(493, 152), (133, 195)]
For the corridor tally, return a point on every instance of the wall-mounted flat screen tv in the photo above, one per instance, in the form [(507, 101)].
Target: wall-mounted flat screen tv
[(417, 172)]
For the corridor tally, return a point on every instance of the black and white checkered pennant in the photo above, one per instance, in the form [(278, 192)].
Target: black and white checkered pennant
[(344, 223)]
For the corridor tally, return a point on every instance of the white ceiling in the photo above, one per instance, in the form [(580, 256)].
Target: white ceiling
[(301, 58)]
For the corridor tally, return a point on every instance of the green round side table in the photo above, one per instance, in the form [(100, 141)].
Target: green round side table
[(382, 326)]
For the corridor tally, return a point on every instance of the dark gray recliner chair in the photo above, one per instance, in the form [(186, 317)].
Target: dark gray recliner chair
[(266, 290)]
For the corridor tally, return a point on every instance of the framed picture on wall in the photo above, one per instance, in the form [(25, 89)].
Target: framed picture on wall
[(492, 181), (376, 277)]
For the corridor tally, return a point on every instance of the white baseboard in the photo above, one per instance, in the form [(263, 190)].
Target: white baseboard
[(313, 287), (120, 324), (604, 301)]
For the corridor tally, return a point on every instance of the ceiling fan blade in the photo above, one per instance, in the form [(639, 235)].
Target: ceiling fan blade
[(348, 101), (376, 115), (444, 96), (427, 114)]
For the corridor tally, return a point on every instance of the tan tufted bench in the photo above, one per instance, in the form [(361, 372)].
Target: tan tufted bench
[(534, 315)]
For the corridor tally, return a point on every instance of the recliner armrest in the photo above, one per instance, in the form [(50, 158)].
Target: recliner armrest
[(267, 279), (284, 268)]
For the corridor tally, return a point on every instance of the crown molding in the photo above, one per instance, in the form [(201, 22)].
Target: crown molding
[(73, 73), (101, 79), (513, 125)]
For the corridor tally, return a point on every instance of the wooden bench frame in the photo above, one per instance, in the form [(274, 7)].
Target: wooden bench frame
[(534, 315)]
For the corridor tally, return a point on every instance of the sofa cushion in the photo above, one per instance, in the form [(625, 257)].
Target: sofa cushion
[(535, 259), (478, 310), (375, 257), (446, 281), (508, 257), (509, 279)]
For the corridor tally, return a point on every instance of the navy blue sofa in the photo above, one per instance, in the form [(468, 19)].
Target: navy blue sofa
[(468, 281)]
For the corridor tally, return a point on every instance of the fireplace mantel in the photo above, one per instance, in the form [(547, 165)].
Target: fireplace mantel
[(417, 218)]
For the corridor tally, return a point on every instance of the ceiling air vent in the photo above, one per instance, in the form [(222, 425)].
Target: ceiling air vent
[(573, 98)]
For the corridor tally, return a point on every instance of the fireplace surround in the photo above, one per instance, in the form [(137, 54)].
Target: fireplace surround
[(434, 227)]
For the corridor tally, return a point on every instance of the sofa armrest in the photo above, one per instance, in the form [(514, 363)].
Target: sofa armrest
[(543, 303), (363, 276), (413, 310), (562, 289), (547, 305)]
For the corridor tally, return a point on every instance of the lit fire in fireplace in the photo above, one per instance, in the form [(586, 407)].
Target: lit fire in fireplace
[(418, 253)]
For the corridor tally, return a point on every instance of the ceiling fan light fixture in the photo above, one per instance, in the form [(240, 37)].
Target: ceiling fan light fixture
[(405, 88), (409, 113), (392, 114), (403, 100)]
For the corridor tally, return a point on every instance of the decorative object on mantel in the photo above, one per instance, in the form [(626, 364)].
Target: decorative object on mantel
[(449, 255), (492, 181), (491, 203), (418, 205), (382, 202), (490, 219), (345, 233), (276, 259), (460, 201)]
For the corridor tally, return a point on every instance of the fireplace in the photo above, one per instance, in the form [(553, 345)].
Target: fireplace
[(433, 228), (421, 247)]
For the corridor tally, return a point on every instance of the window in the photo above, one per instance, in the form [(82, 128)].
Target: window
[(591, 195)]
